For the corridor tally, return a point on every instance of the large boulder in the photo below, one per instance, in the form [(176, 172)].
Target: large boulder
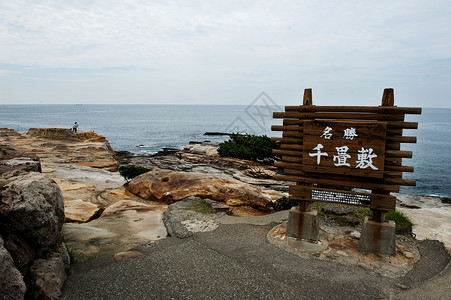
[(32, 207), (166, 186), (12, 285)]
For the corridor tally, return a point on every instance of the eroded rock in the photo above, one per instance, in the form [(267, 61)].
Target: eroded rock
[(80, 211), (120, 227), (165, 186)]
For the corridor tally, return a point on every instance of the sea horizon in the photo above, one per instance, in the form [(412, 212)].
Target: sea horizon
[(148, 128)]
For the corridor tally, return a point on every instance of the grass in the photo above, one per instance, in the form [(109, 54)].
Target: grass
[(76, 255), (202, 206), (403, 223)]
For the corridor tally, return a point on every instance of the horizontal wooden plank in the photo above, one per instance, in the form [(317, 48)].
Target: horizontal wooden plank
[(294, 159), (367, 109), (297, 134), (402, 139), (394, 131), (392, 174), (393, 181), (390, 124), (389, 170), (393, 146), (341, 116), (288, 165), (399, 168), (287, 152), (402, 125), (287, 128), (354, 184), (283, 140), (398, 154), (297, 147)]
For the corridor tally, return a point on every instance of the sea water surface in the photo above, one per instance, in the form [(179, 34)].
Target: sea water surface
[(149, 128)]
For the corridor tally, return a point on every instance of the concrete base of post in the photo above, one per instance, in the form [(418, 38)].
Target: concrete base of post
[(378, 237), (303, 225)]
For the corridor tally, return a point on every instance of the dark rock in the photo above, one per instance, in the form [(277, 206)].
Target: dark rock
[(12, 285), (32, 206), (50, 275), (217, 133), (22, 253)]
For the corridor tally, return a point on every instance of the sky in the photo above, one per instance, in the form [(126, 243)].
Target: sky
[(225, 52)]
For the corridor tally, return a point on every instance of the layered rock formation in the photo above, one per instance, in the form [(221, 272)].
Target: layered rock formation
[(168, 187), (62, 146)]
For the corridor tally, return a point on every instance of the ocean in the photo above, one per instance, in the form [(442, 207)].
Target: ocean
[(150, 128)]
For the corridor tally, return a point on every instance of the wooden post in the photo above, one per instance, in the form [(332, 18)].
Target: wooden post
[(388, 99), (304, 204)]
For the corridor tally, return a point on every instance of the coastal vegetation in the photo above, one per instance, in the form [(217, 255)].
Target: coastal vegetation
[(131, 171), (248, 146)]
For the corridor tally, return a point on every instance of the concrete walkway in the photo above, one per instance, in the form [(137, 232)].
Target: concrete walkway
[(237, 262)]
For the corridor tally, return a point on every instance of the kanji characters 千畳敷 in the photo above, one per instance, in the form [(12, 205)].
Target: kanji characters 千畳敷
[(365, 158), (342, 156), (318, 153)]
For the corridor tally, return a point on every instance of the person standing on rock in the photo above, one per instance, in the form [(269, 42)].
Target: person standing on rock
[(75, 127)]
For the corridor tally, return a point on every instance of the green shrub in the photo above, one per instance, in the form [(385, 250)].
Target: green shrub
[(283, 203), (403, 223), (247, 146), (131, 171)]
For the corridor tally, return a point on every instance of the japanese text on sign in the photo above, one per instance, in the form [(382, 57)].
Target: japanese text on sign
[(351, 148)]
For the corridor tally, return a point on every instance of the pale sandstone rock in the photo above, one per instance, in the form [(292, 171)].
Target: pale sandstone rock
[(12, 285), (121, 226), (80, 210), (432, 219), (60, 145), (173, 186), (201, 149)]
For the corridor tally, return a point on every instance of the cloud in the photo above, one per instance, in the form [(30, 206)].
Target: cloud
[(279, 46)]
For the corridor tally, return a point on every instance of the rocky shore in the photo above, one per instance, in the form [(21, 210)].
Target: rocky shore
[(84, 200)]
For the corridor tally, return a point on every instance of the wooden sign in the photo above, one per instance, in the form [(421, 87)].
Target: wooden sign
[(344, 147)]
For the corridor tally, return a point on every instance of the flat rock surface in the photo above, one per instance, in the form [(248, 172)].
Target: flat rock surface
[(431, 217), (121, 226)]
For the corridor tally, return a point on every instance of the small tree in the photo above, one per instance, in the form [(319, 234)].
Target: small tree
[(131, 171), (247, 146)]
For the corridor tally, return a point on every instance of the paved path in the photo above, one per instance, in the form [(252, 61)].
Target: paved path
[(233, 262)]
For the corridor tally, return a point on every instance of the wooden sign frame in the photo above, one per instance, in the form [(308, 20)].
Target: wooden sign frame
[(302, 128)]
